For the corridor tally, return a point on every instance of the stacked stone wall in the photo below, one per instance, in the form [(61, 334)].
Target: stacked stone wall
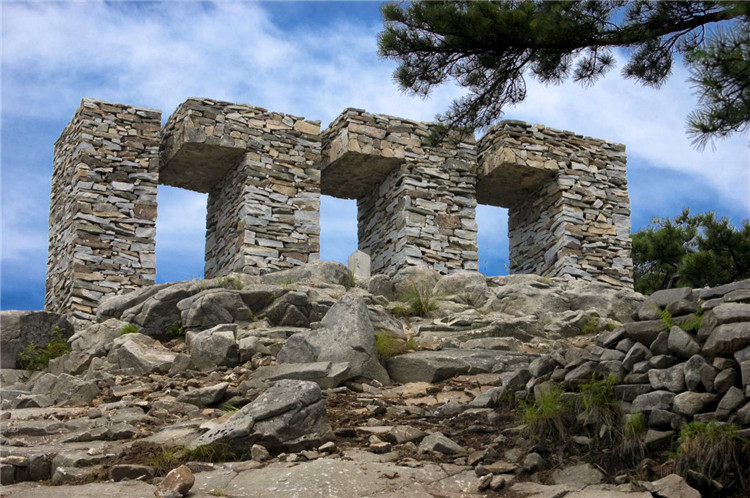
[(570, 213), (421, 211), (103, 206), (261, 171)]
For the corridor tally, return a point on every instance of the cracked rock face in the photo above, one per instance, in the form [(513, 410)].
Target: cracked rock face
[(289, 416), (346, 336)]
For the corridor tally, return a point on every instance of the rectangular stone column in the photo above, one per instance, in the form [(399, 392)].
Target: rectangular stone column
[(416, 200), (261, 171), (102, 206), (567, 200)]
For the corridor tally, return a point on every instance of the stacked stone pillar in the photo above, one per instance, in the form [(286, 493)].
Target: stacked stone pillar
[(261, 172), (567, 200), (102, 206), (415, 199)]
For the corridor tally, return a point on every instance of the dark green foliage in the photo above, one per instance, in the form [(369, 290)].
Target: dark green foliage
[(489, 46), (34, 357), (387, 346), (716, 451), (633, 447), (692, 251), (420, 299), (175, 331)]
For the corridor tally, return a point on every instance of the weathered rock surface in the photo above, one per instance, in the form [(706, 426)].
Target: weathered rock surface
[(21, 328)]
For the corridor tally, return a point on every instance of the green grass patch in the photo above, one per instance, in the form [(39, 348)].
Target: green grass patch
[(591, 326), (419, 299), (548, 417), (715, 451), (129, 329), (666, 319), (693, 323), (34, 357), (175, 331), (633, 448), (230, 283), (601, 408), (387, 346)]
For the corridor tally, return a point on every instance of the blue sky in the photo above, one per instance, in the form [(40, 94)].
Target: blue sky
[(307, 59)]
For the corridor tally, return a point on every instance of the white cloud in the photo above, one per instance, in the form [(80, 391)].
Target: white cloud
[(158, 54)]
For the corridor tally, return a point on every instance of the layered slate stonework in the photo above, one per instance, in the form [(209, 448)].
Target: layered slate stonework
[(264, 172), (416, 201), (261, 172), (567, 200), (102, 206)]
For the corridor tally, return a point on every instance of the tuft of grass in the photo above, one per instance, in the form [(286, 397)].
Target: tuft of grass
[(129, 329), (351, 281), (387, 346), (591, 326), (175, 331), (666, 319), (693, 323), (633, 448), (166, 460), (611, 326), (229, 408), (34, 357), (217, 492), (230, 283), (548, 417), (215, 452), (420, 299), (715, 451), (601, 408)]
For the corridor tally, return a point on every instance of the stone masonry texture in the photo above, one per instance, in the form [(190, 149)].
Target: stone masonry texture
[(102, 206), (264, 172)]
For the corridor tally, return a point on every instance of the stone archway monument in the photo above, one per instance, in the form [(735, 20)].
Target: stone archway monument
[(264, 173)]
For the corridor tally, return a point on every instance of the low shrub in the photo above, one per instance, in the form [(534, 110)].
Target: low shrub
[(633, 448), (34, 357), (230, 283), (387, 346), (591, 326), (420, 300), (175, 331), (666, 319)]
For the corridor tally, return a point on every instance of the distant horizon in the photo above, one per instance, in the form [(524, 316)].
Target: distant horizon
[(306, 59)]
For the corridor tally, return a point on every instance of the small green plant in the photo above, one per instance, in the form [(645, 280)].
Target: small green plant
[(591, 326), (214, 452), (175, 331), (548, 417), (166, 460), (230, 283), (217, 492), (420, 299), (387, 346), (401, 311), (715, 451), (229, 408), (601, 408), (693, 323), (666, 319), (129, 329), (611, 326), (34, 357), (546, 280), (633, 448), (351, 281)]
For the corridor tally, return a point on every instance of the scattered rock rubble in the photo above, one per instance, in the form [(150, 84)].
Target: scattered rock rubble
[(246, 368)]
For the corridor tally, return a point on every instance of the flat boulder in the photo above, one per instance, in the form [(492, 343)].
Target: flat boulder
[(316, 272), (214, 347), (289, 416), (434, 366), (142, 353), (324, 373)]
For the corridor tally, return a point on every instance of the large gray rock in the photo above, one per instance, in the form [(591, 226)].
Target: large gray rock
[(689, 403), (728, 338), (681, 343), (733, 399), (288, 416), (644, 332), (637, 354), (204, 396), (213, 307), (115, 306), (656, 400), (19, 328), (410, 277), (699, 374), (346, 336), (156, 314), (142, 353), (467, 286), (434, 366), (672, 486), (97, 339), (672, 379), (214, 347), (316, 272), (665, 297), (324, 373)]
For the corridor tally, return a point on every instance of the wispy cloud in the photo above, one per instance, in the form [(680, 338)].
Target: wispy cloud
[(158, 54)]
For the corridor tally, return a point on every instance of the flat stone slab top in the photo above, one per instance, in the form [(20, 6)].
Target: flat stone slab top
[(204, 139), (516, 157), (360, 149)]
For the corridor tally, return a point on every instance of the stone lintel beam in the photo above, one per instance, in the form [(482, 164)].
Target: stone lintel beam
[(205, 139)]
